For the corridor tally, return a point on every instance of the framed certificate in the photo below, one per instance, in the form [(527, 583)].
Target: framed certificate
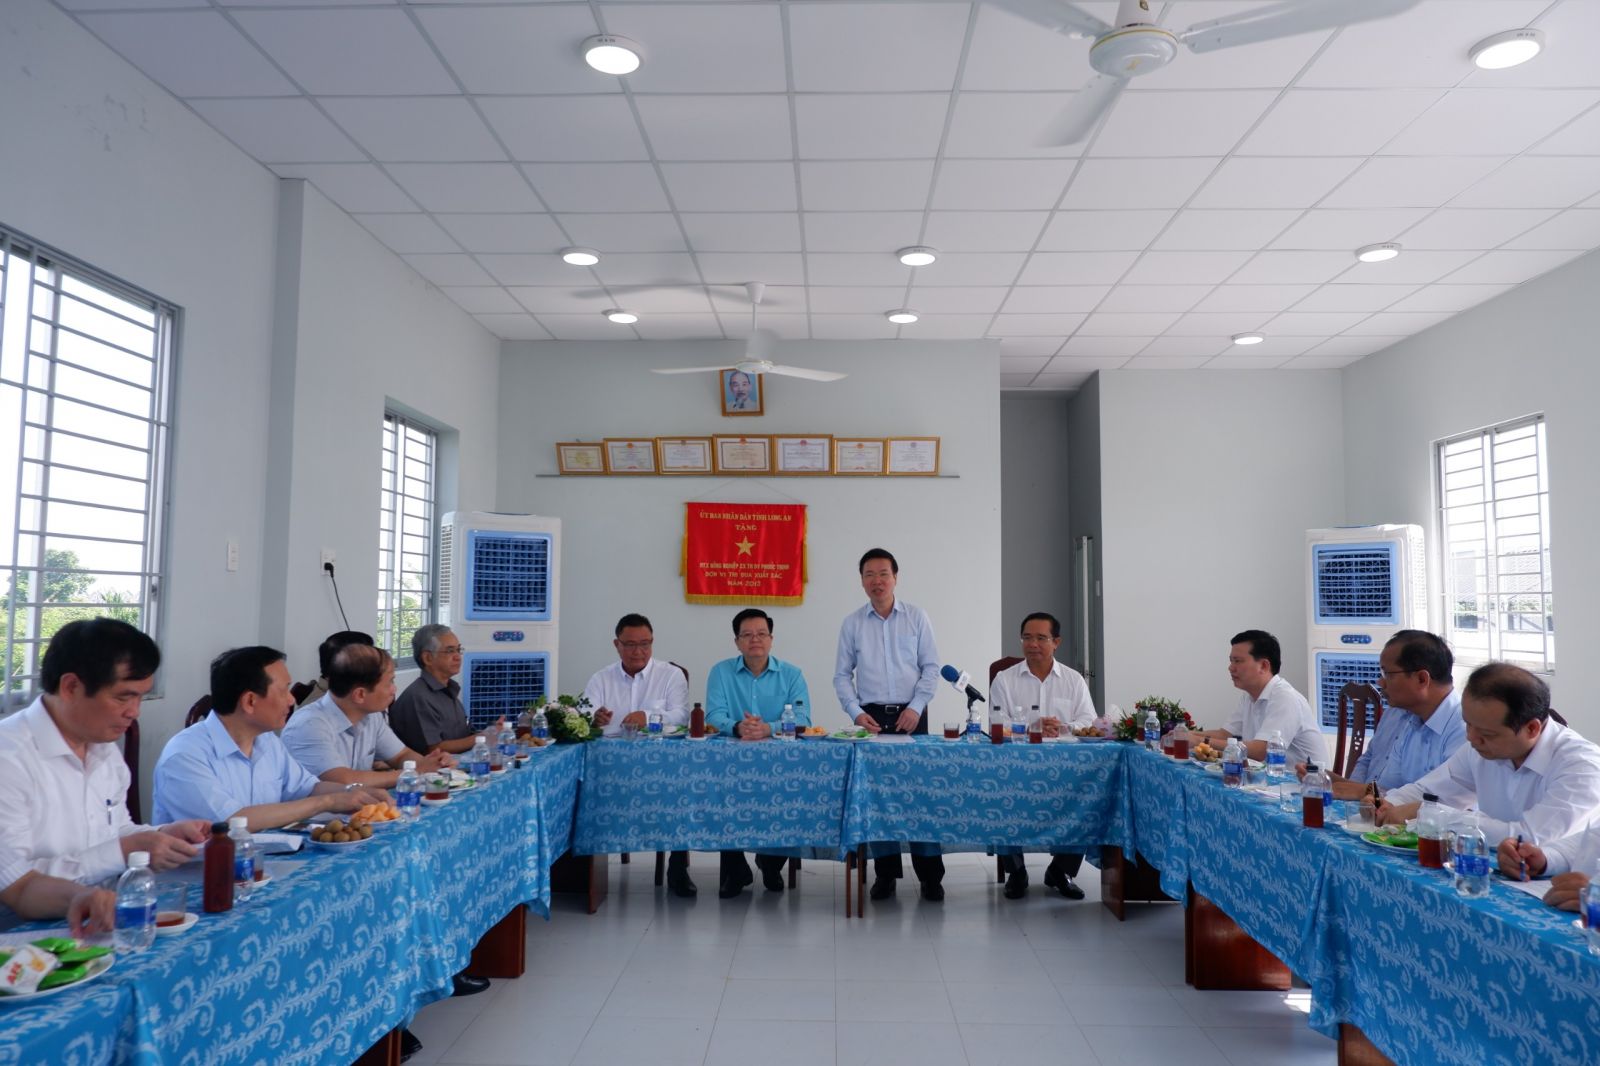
[(683, 455), (913, 456), (743, 455), (803, 455), (858, 455), (575, 457), (630, 455)]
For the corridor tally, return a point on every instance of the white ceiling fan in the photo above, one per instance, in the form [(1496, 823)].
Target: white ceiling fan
[(1136, 45), (757, 352)]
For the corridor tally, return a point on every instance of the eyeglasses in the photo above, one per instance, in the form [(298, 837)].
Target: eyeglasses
[(1394, 673), (454, 649), (755, 636), (1034, 638), (635, 645)]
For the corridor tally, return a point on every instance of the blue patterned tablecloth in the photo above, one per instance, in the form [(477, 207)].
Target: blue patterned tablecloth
[(1156, 787), (720, 794), (556, 772), (82, 1028)]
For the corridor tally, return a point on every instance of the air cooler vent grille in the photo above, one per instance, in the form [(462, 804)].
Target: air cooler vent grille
[(501, 685), (1355, 584), (508, 576)]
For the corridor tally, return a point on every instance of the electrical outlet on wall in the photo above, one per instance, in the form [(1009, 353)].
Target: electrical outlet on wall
[(327, 559), (233, 554)]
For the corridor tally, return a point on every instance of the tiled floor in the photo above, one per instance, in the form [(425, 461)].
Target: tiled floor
[(779, 979)]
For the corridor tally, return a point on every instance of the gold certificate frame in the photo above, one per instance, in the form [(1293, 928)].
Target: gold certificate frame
[(858, 456), (803, 455), (684, 455), (912, 457), (630, 455), (576, 457), (743, 455)]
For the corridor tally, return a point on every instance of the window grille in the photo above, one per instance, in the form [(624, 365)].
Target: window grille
[(407, 564)]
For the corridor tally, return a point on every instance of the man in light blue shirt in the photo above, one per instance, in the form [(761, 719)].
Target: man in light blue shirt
[(885, 674), (745, 696), (231, 763)]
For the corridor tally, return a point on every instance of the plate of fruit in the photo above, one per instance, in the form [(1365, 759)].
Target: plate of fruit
[(339, 834)]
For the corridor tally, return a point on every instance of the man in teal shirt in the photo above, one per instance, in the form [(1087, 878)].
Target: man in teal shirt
[(745, 697)]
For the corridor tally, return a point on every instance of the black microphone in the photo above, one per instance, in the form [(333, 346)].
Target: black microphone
[(959, 681)]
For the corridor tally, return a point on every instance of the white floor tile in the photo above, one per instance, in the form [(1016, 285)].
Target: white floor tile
[(976, 962), (514, 1041), (690, 998), (657, 1041), (1069, 968), (678, 960), (1152, 1045), (741, 1042), (782, 999), (876, 960), (877, 1001), (1148, 1007), (1275, 1047), (900, 1044), (544, 997), (761, 961), (1241, 1010), (1058, 1044), (1007, 1004)]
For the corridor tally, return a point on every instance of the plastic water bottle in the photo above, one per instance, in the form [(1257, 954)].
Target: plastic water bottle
[(244, 859), (508, 742), (786, 723), (1277, 757), (974, 725), (1233, 763), (1589, 901), (136, 905), (1152, 731), (1019, 723), (1473, 860), (408, 792), (1315, 797), (478, 763), (539, 727)]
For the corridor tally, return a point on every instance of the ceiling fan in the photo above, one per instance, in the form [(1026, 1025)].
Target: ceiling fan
[(757, 352), (1136, 45)]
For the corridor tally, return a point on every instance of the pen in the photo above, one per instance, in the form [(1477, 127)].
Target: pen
[(1522, 864), (108, 812)]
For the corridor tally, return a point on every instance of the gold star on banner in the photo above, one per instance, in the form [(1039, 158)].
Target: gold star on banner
[(744, 545)]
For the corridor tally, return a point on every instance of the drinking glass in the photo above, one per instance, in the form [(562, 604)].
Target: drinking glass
[(1289, 797), (655, 723), (1367, 815)]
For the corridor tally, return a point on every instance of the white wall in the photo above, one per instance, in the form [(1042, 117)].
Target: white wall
[(1083, 515), (1530, 350), (1209, 480), (621, 535), (1036, 551)]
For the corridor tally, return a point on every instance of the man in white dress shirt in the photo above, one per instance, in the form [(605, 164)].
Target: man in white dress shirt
[(1269, 704), (1568, 862), (1528, 775), (628, 691), (1058, 696), (63, 782)]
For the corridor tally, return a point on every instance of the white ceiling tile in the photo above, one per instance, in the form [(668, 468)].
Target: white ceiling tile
[(960, 300), (1421, 47), (679, 327), (1130, 183), (996, 184), (896, 185), (1076, 268), (947, 327), (519, 270), (1392, 182), (1009, 52), (664, 299), (1321, 362), (543, 300), (1396, 323), (1068, 366), (127, 5), (1317, 324), (1226, 298), (971, 268), (1102, 347), (513, 327), (1185, 268), (1166, 362), (869, 126), (1154, 297), (353, 186), (1578, 229), (530, 49), (1210, 230), (1264, 183), (482, 299), (852, 327), (1535, 181), (1035, 325), (739, 232), (1354, 297), (1028, 347), (1027, 364), (1177, 347), (416, 129), (658, 268), (465, 186), (191, 53), (1581, 137), (1475, 228), (1490, 121), (1409, 268), (790, 327), (1132, 324), (449, 269), (1061, 382), (409, 233), (1015, 381), (1277, 347), (1350, 122), (1214, 325), (855, 268), (589, 129), (598, 186), (1230, 361), (1349, 228), (840, 47), (279, 130), (645, 231), (240, 3), (730, 186), (1190, 124), (314, 47), (1509, 267), (1452, 298), (736, 268), (1102, 231), (716, 127), (984, 231), (503, 233), (689, 46), (1007, 126), (1055, 299), (1557, 65), (1356, 346), (585, 328), (855, 299), (860, 231), (1293, 267)]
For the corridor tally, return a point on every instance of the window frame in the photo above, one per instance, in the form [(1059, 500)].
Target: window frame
[(390, 632)]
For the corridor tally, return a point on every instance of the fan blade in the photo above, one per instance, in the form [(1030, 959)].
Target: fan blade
[(760, 346), (1285, 19), (1088, 106), (804, 372), (1055, 15), (686, 369)]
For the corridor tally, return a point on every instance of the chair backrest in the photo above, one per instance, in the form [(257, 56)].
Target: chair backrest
[(1557, 717), (198, 710), (680, 666), (1002, 664), (1356, 701), (300, 690), (130, 755)]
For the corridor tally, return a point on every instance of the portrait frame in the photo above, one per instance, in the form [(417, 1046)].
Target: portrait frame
[(799, 454), (859, 456), (631, 455), (733, 407), (579, 458), (683, 455), (908, 457), (746, 455)]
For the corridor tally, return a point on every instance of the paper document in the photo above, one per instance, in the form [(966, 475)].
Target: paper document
[(277, 843), (892, 738), (1533, 887)]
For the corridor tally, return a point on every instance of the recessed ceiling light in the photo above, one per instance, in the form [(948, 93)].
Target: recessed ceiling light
[(902, 317), (1507, 49), (1249, 338), (612, 55), (580, 257), (619, 316), (918, 255), (1378, 253)]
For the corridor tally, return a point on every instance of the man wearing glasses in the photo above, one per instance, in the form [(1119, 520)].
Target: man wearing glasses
[(429, 716), (628, 691)]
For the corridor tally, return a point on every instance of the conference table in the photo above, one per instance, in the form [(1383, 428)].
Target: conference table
[(341, 948)]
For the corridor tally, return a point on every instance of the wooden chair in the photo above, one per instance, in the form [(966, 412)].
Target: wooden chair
[(198, 710), (130, 755), (1365, 700), (1004, 663), (300, 690)]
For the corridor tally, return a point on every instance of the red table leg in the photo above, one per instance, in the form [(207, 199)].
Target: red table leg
[(1356, 1050), (1217, 954)]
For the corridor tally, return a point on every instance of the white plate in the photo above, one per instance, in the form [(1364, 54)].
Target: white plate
[(698, 738), (182, 927), (338, 845), (1211, 767), (96, 968)]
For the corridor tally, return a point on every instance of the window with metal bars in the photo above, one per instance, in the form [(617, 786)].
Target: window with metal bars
[(406, 531), (85, 382), (1494, 524)]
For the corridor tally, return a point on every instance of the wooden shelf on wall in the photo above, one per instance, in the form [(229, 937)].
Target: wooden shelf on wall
[(757, 477)]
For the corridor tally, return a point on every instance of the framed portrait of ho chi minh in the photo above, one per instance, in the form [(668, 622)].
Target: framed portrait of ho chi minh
[(743, 393)]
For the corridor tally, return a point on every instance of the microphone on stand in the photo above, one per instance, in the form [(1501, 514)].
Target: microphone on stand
[(959, 680)]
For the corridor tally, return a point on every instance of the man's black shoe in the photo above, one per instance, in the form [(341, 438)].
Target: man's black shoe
[(469, 986), (1061, 883), (772, 878), (882, 888), (678, 881), (1017, 884), (732, 884), (932, 891), (409, 1045)]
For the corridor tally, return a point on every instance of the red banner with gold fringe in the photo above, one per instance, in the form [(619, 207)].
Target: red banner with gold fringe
[(744, 553)]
